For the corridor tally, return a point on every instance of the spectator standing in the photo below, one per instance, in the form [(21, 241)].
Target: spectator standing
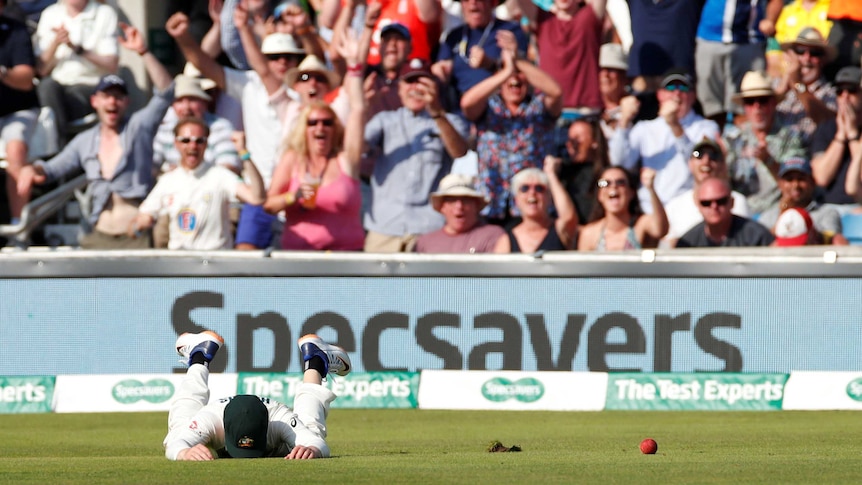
[(731, 40), (755, 149), (808, 98), (316, 182), (536, 192), (464, 230), (584, 157), (191, 101), (197, 195), (253, 89), (116, 155), (837, 141), (706, 161), (515, 127), (19, 106), (797, 192), (411, 148), (617, 223), (613, 84), (76, 44), (720, 227), (569, 38), (664, 143), (470, 53), (663, 38), (421, 18)]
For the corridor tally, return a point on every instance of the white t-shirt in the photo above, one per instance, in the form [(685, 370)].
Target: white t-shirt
[(94, 29), (263, 127), (197, 203)]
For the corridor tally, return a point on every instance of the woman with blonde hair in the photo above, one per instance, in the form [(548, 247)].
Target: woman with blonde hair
[(316, 182), (617, 223)]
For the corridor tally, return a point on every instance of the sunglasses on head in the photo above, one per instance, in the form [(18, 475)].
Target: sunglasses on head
[(308, 76), (539, 189), (185, 140), (321, 121), (721, 201), (677, 87), (706, 152), (848, 88), (812, 51), (604, 183), (760, 100)]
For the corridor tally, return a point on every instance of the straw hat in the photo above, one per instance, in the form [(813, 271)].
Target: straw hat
[(754, 84), (310, 64), (187, 86), (457, 185), (811, 37)]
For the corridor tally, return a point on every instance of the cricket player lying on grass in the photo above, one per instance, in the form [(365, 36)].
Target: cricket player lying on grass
[(247, 426)]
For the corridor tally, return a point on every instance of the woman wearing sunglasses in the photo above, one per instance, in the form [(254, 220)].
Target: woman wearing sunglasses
[(316, 182), (617, 223), (534, 191)]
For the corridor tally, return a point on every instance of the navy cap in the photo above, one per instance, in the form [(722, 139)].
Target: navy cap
[(677, 75), (111, 81), (396, 27), (797, 164)]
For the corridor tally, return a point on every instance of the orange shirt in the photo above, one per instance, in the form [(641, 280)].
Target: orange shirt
[(425, 37), (846, 9)]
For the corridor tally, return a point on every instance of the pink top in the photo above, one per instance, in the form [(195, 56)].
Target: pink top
[(334, 224)]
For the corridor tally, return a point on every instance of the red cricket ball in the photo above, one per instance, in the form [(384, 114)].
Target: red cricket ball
[(649, 446)]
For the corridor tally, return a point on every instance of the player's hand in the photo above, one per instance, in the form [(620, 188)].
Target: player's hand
[(195, 453), (177, 25), (300, 452)]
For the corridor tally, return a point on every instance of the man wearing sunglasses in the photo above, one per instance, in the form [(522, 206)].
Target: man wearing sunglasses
[(720, 227), (664, 143), (837, 141), (707, 161), (808, 98), (116, 154), (755, 149)]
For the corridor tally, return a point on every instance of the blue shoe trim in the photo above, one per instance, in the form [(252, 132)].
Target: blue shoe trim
[(208, 348), (310, 350)]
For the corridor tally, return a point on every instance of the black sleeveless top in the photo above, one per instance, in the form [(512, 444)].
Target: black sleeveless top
[(551, 242)]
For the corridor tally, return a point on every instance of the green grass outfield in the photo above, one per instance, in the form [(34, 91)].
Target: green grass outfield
[(417, 446)]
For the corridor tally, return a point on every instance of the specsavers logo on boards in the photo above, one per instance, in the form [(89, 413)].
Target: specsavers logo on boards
[(854, 389), (131, 391), (26, 394), (500, 389), (718, 392), (357, 390)]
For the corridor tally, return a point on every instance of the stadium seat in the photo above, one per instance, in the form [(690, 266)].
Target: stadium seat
[(851, 227)]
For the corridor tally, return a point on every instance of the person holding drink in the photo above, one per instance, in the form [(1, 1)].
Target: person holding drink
[(316, 182)]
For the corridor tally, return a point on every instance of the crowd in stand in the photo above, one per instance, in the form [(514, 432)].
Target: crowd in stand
[(444, 126)]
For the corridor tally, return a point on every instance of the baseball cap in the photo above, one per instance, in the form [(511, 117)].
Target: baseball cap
[(111, 81), (792, 227), (279, 43), (797, 164), (189, 86), (849, 75), (415, 68), (708, 143), (396, 27), (246, 421), (677, 75)]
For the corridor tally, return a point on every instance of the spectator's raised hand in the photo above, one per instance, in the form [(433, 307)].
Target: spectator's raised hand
[(429, 92), (669, 110), (294, 18), (177, 25), (629, 108), (648, 177), (507, 42), (551, 165), (792, 66), (238, 139), (477, 57), (240, 16), (369, 86), (348, 48), (214, 8), (767, 27), (508, 58), (132, 39), (372, 13)]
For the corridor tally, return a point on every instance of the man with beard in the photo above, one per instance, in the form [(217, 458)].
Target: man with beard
[(197, 195), (754, 150), (808, 98), (271, 61), (706, 161), (412, 148), (116, 154), (797, 191)]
